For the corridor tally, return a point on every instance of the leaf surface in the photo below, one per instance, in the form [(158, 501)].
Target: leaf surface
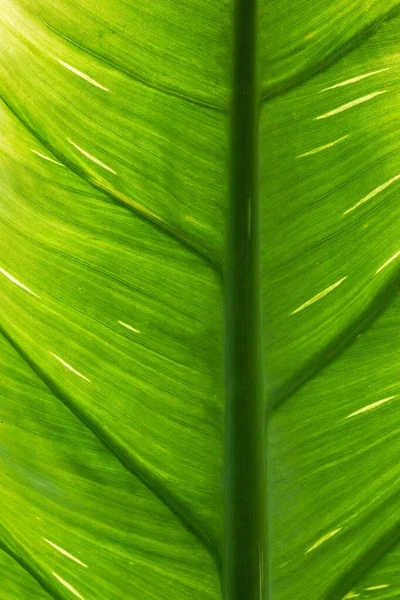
[(329, 189), (111, 306), (116, 197)]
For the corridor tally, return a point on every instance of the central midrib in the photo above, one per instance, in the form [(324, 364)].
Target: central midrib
[(244, 557)]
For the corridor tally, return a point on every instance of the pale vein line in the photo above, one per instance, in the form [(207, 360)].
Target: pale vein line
[(91, 157), (370, 406), (69, 367), (318, 296), (377, 587), (18, 283), (323, 539), (320, 148), (355, 79), (128, 326), (65, 553), (47, 158), (392, 258), (372, 194), (68, 586), (83, 75), (351, 595), (350, 105)]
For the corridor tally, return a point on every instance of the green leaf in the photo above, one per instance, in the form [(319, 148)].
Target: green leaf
[(330, 260), (198, 246), (17, 582), (111, 397)]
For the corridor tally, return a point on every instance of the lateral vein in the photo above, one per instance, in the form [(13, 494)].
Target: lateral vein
[(372, 194), (344, 107), (318, 296), (354, 79)]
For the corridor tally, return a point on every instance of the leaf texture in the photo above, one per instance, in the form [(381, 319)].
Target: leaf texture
[(111, 304), (116, 184), (330, 280)]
